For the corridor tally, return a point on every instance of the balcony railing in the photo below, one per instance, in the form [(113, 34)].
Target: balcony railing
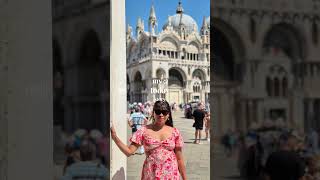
[(170, 60)]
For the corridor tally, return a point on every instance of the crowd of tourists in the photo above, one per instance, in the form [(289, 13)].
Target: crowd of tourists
[(274, 150), (87, 155)]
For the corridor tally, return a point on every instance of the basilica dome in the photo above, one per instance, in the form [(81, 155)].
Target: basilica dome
[(187, 21)]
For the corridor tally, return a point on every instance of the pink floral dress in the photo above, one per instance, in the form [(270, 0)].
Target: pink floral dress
[(161, 162)]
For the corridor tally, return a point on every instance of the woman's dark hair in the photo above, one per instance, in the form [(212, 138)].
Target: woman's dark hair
[(163, 105)]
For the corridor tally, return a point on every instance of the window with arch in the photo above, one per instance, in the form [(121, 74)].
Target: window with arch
[(196, 87), (277, 82)]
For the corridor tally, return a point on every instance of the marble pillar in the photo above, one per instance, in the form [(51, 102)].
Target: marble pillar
[(29, 94), (118, 87)]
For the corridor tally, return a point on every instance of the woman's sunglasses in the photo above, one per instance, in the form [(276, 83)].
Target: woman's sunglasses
[(164, 112)]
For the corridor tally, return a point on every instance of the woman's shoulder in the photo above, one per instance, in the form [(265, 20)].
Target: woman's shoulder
[(175, 130)]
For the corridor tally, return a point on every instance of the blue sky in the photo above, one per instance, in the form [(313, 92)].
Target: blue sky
[(141, 8)]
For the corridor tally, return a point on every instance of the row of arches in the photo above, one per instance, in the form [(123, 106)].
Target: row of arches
[(176, 80), (230, 50), (168, 46), (314, 29)]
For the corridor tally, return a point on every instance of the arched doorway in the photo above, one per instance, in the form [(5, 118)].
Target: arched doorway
[(90, 84), (228, 68), (198, 84), (138, 87), (286, 39), (175, 86)]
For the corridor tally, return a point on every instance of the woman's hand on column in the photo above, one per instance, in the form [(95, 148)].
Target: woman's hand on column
[(113, 133)]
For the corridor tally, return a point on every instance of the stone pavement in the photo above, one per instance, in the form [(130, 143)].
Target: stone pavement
[(196, 156), (224, 168)]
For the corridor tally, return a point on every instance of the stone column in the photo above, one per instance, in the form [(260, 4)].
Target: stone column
[(243, 115), (118, 88), (29, 93), (310, 114), (250, 110), (259, 112)]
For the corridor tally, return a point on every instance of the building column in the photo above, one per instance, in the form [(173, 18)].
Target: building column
[(259, 112), (243, 115), (310, 113), (250, 110), (118, 162), (29, 93)]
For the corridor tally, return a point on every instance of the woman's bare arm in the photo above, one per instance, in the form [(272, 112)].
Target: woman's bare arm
[(181, 165), (127, 150)]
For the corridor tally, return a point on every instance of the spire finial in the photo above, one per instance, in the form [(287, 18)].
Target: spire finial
[(179, 8)]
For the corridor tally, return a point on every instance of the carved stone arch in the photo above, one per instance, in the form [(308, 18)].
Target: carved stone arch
[(137, 76), (193, 47), (141, 70), (90, 47), (159, 72), (199, 73), (170, 36), (181, 71), (138, 86), (75, 41), (286, 34), (177, 77), (168, 43), (229, 52)]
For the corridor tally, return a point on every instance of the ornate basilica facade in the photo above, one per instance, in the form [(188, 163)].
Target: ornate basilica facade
[(179, 56), (266, 63)]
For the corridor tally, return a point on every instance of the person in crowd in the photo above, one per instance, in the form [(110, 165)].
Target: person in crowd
[(163, 145), (68, 149), (87, 168), (136, 121), (198, 116), (254, 158), (242, 156), (103, 149), (146, 111), (285, 163), (207, 125), (313, 142), (312, 168)]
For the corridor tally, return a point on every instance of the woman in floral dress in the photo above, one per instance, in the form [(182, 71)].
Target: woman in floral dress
[(162, 143)]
